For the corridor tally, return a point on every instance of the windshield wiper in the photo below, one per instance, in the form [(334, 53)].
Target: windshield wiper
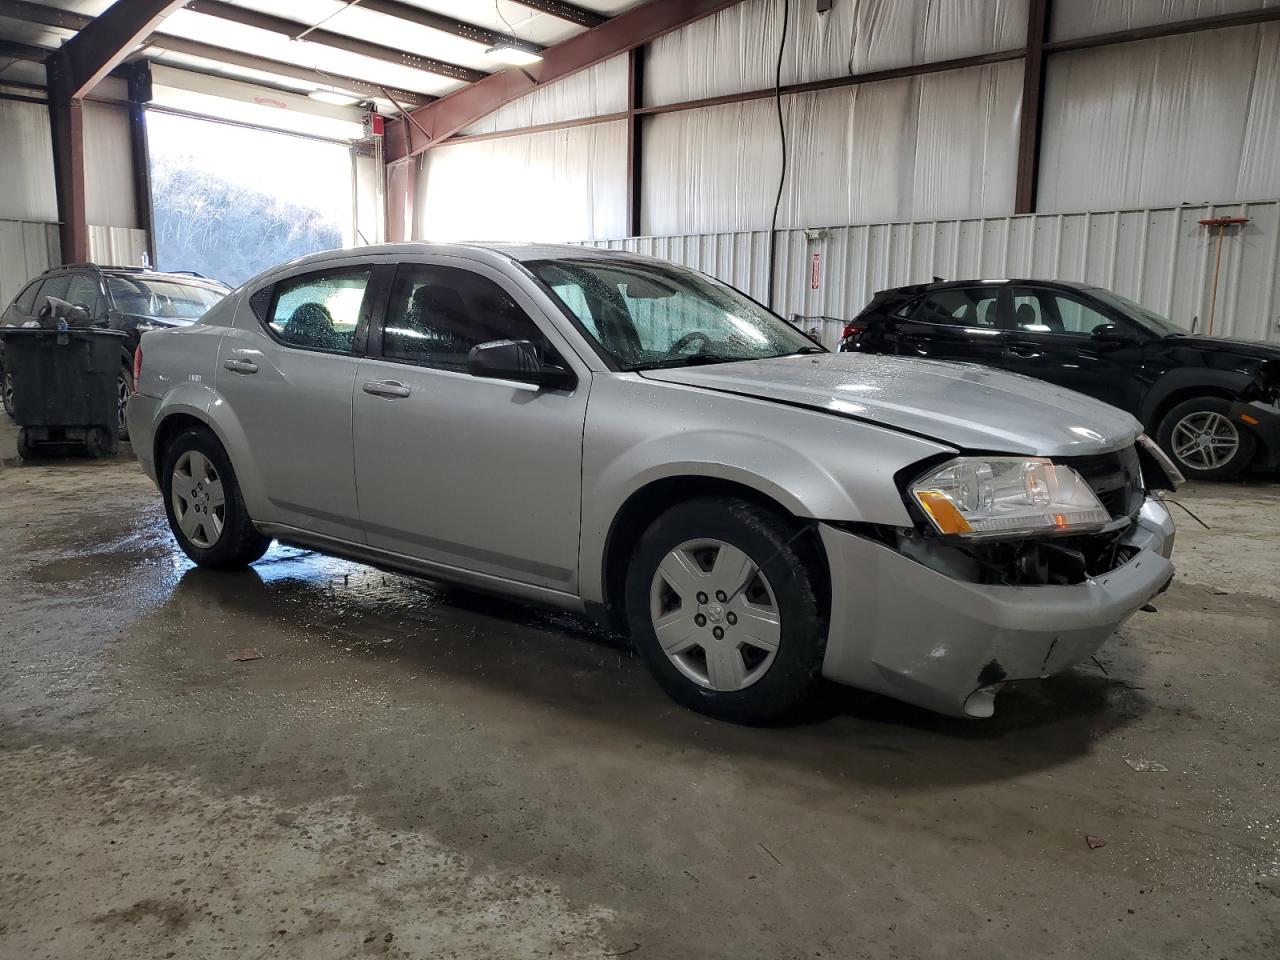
[(692, 360), (810, 349)]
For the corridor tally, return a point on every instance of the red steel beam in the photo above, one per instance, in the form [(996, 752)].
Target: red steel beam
[(1029, 122), (458, 28), (1197, 25), (628, 30), (635, 129), (103, 45)]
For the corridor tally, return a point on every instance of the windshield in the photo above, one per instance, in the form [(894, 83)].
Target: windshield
[(162, 299), (656, 314), (1139, 314)]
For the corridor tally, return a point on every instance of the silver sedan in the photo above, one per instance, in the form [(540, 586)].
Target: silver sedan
[(617, 435)]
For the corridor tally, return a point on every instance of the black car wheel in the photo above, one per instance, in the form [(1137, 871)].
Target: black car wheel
[(723, 604), (1203, 441), (206, 512)]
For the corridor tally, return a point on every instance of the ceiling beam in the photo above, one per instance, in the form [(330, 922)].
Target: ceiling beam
[(565, 11), (13, 50), (458, 28), (340, 41), (628, 30), (100, 47), (159, 43)]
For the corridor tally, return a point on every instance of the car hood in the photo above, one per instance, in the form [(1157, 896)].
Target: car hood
[(960, 404), (1249, 348)]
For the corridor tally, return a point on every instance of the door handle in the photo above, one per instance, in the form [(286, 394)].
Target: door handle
[(240, 366), (1027, 349), (386, 388)]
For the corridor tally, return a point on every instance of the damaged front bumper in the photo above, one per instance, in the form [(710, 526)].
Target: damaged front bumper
[(903, 629)]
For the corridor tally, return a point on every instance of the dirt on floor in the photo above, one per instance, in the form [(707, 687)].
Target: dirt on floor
[(315, 759)]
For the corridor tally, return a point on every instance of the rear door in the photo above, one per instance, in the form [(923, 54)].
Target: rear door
[(474, 473), (955, 323), (1050, 337), (289, 384)]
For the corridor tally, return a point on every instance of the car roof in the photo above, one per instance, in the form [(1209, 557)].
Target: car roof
[(519, 252), (177, 276), (915, 288)]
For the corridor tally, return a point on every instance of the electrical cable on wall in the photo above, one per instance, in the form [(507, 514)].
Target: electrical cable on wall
[(782, 140)]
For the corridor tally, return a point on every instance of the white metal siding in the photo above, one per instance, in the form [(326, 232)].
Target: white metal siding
[(1160, 257), (26, 249)]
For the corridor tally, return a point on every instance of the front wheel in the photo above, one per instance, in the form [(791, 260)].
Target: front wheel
[(206, 511), (723, 606), (1203, 441)]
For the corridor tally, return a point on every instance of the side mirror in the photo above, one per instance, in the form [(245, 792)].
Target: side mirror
[(1110, 333), (517, 360)]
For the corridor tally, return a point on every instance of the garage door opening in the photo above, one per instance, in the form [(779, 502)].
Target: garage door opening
[(230, 200)]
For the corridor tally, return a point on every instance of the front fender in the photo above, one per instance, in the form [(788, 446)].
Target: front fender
[(814, 465), (1186, 379)]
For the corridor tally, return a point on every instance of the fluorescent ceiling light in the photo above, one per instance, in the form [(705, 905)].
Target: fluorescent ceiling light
[(333, 98), (513, 55)]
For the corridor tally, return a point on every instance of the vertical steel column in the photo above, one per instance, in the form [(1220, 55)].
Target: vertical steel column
[(635, 168), (140, 153), (66, 121), (1032, 107)]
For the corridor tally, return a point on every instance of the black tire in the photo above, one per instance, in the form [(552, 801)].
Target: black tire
[(239, 543), (98, 443), (766, 538), (6, 385), (25, 449), (1205, 406), (124, 389)]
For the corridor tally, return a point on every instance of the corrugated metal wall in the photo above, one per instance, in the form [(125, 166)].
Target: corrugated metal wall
[(1160, 257), (26, 249), (117, 246)]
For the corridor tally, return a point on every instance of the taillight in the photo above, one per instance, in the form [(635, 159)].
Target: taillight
[(137, 366), (853, 328)]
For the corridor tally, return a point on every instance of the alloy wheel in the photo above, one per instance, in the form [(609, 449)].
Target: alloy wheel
[(199, 504), (1205, 440), (715, 615)]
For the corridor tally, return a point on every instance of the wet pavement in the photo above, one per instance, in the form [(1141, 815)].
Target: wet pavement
[(316, 759)]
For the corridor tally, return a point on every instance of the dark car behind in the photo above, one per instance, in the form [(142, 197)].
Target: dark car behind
[(130, 299), (1212, 403)]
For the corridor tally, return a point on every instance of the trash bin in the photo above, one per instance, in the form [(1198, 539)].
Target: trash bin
[(64, 387)]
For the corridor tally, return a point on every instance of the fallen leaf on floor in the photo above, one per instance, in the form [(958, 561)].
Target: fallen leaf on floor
[(1094, 842), (1146, 766), (244, 656)]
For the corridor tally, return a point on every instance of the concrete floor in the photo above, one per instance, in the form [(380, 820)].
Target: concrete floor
[(413, 773)]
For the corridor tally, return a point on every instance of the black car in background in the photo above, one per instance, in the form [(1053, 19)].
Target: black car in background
[(1212, 403), (132, 299)]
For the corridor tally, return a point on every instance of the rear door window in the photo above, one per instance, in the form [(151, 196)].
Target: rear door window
[(83, 291), (53, 287), (27, 298), (320, 311), (965, 307)]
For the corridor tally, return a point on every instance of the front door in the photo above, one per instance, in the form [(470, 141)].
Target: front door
[(1051, 338), (484, 475), (289, 384), (955, 323)]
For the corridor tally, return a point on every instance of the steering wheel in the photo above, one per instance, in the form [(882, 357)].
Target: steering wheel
[(692, 337)]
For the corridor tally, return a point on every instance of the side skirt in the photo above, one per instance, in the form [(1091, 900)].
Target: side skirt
[(399, 563)]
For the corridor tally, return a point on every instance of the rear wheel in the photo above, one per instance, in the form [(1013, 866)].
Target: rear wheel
[(723, 606), (1203, 441), (206, 511)]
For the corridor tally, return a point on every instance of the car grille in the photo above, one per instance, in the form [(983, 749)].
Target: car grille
[(1115, 478)]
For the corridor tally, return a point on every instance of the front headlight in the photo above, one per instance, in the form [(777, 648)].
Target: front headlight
[(978, 497)]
